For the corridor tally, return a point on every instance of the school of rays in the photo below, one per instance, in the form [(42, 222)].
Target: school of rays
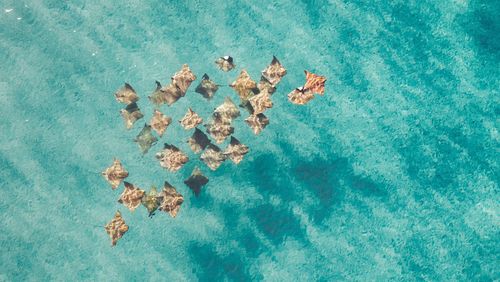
[(254, 97)]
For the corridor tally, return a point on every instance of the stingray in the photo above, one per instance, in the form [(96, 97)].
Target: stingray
[(300, 96), (227, 111), (145, 139), (126, 95), (213, 157), (257, 122), (131, 196), (235, 150), (171, 158), (244, 86), (274, 72), (225, 63), (116, 228), (115, 174), (196, 181), (151, 201), (190, 120), (261, 102), (207, 88), (160, 122), (315, 83), (131, 114), (198, 141), (171, 200), (183, 78), (219, 129)]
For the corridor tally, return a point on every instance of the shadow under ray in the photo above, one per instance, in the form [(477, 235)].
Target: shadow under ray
[(327, 179)]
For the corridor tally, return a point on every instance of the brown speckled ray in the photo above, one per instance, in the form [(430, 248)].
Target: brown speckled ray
[(131, 196), (116, 228)]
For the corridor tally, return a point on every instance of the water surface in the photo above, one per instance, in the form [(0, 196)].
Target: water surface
[(392, 175)]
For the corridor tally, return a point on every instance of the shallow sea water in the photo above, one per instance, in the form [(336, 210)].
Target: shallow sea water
[(392, 175)]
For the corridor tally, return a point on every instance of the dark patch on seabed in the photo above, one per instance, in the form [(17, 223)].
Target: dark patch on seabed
[(483, 23)]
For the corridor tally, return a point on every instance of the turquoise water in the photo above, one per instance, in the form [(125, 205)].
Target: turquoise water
[(392, 175)]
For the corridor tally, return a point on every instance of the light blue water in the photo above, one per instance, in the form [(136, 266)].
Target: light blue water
[(392, 175)]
